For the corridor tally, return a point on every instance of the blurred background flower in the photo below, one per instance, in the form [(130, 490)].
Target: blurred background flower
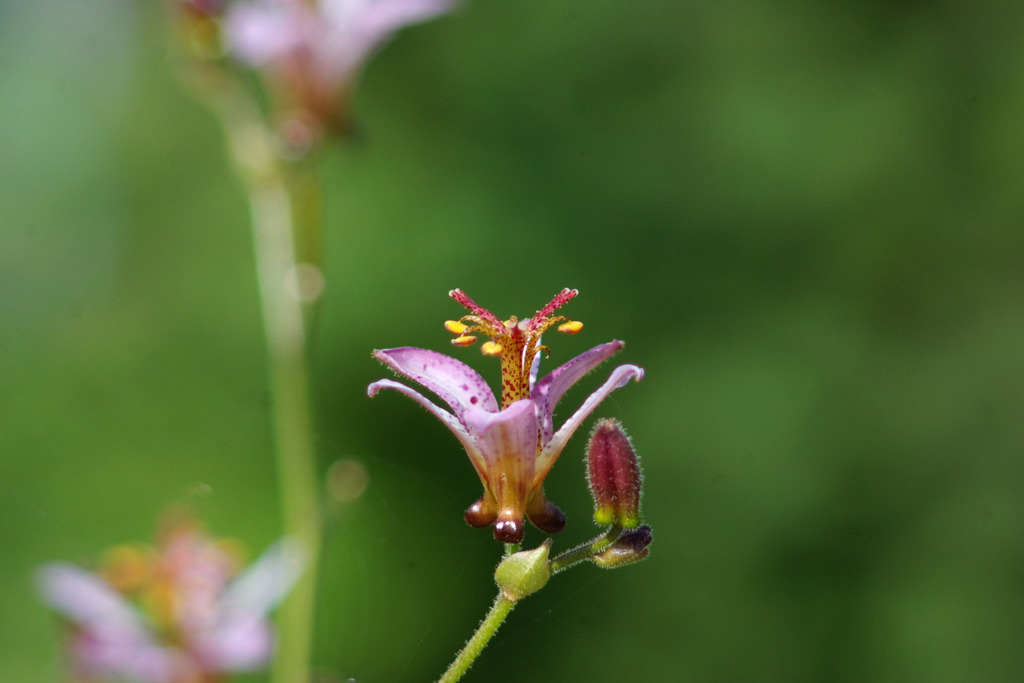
[(308, 52), (177, 613), (804, 217)]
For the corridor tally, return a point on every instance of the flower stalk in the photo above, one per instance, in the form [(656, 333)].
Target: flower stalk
[(518, 575), (284, 202), (495, 617), (512, 444)]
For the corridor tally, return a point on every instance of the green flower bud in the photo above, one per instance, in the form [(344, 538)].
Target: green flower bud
[(613, 471), (524, 573)]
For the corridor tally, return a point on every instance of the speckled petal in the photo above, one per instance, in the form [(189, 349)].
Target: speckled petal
[(619, 378), (548, 391), (454, 382)]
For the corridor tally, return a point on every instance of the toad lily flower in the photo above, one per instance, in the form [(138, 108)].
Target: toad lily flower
[(512, 447), (311, 52), (176, 614)]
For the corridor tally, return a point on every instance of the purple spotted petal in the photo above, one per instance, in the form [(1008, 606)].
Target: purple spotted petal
[(443, 415), (619, 378), (454, 382), (553, 386)]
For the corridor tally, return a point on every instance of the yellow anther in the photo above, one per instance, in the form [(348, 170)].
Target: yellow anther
[(455, 327), (491, 348), (571, 327), (464, 340)]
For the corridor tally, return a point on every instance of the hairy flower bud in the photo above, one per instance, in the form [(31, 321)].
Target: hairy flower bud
[(613, 471), (632, 546), (524, 573)]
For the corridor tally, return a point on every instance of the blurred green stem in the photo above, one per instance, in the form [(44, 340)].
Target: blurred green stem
[(488, 627), (284, 200)]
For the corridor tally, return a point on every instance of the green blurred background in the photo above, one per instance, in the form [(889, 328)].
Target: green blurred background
[(803, 217)]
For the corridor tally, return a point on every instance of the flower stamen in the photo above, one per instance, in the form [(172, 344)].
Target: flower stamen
[(516, 342), (455, 327)]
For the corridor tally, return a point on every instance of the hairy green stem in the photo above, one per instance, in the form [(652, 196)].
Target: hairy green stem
[(488, 627), (585, 551)]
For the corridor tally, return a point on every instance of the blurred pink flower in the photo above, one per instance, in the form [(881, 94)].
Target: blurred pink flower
[(311, 52), (178, 614)]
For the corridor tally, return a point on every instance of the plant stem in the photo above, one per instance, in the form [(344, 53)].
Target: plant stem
[(488, 627), (291, 413), (585, 551), (286, 228)]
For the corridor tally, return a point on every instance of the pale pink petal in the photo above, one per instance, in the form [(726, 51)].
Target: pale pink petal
[(373, 21), (113, 638), (261, 33), (535, 368), (339, 34), (511, 432), (244, 642), (88, 601), (454, 382), (266, 581), (619, 378), (549, 391), (241, 638), (449, 420), (141, 662), (443, 415)]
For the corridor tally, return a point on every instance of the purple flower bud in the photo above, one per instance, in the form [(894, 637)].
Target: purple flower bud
[(632, 546), (613, 472)]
